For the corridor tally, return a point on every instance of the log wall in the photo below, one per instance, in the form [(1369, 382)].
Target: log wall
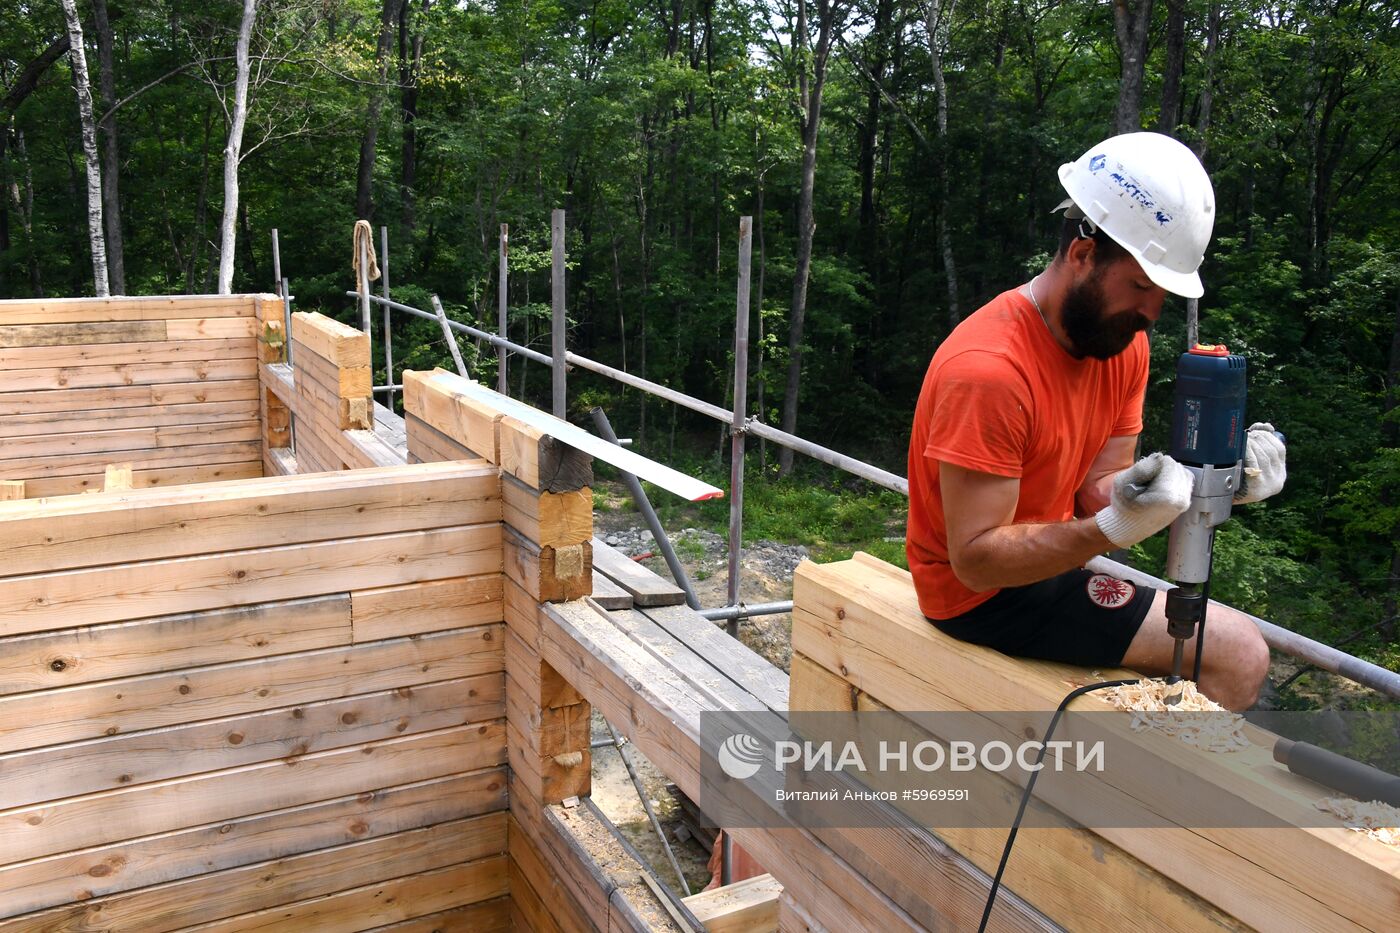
[(318, 411), (167, 385), (275, 703)]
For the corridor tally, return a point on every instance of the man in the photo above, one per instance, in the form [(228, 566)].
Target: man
[(1021, 460)]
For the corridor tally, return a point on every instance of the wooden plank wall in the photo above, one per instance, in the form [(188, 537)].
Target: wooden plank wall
[(547, 557), (318, 411), (273, 704), (168, 385)]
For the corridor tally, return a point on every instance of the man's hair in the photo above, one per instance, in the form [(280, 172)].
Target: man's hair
[(1106, 249)]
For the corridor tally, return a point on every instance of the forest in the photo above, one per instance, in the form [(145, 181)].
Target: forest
[(898, 158)]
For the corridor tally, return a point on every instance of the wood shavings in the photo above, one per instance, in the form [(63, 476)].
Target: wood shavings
[(1196, 720), (1378, 820)]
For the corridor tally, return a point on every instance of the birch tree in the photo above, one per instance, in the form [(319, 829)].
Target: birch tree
[(94, 167), (111, 152), (228, 234)]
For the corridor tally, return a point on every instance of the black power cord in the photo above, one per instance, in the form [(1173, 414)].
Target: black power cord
[(1030, 786)]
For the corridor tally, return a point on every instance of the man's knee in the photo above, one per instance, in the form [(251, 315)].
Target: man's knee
[(1241, 663)]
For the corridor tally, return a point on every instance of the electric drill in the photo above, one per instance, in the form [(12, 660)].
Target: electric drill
[(1207, 439)]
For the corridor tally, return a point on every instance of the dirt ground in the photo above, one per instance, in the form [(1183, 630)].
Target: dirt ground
[(766, 577)]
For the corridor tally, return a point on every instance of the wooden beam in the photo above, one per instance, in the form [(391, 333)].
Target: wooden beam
[(643, 697), (548, 574), (60, 376), (101, 819), (464, 421), (241, 464), (855, 616), (144, 308), (116, 419), (647, 588), (50, 774), (431, 606), (331, 340), (125, 354), (541, 461), (62, 335), (165, 397), (1067, 872), (548, 519), (748, 906), (167, 643), (44, 537), (138, 863), (153, 701), (237, 891), (11, 490)]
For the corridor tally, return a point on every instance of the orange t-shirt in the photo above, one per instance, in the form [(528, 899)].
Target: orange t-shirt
[(1002, 397)]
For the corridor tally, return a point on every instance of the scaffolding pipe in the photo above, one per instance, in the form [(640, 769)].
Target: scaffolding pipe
[(388, 334), (450, 338), (558, 347), (287, 319), (502, 329), (677, 904), (646, 805), (276, 262), (736, 431), (492, 339), (1281, 639), (639, 496), (743, 612)]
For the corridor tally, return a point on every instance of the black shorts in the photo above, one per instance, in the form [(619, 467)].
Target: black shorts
[(1079, 617)]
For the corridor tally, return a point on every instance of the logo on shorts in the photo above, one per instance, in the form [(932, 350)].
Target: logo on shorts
[(1110, 592)]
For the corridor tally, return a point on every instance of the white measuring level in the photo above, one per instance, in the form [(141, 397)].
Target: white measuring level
[(673, 481)]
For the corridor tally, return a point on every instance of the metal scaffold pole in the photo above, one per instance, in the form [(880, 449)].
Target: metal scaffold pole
[(388, 334), (738, 426), (558, 347), (501, 296)]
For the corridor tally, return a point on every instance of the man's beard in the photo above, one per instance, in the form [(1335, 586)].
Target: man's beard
[(1091, 330)]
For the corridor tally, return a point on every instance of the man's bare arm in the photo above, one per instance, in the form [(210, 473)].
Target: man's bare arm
[(1116, 456), (988, 551)]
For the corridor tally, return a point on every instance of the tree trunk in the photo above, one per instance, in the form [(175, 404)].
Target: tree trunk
[(364, 177), (1131, 21), (78, 58), (35, 282), (111, 153), (233, 151), (411, 63), (810, 100), (1170, 116), (937, 23), (1208, 87)]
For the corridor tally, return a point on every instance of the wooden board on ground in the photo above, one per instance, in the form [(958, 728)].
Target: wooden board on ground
[(647, 588)]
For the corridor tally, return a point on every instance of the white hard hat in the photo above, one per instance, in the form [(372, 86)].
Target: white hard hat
[(1152, 196)]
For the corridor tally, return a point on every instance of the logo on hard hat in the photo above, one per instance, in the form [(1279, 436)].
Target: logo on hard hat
[(1097, 162), (1110, 592)]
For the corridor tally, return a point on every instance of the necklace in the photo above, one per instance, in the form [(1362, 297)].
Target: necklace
[(1031, 288)]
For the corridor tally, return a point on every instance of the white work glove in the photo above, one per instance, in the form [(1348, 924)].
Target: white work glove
[(1264, 464), (1147, 497)]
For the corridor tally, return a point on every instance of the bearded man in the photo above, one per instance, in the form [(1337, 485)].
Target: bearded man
[(1021, 456)]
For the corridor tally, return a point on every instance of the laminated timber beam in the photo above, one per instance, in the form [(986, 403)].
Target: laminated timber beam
[(861, 618)]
